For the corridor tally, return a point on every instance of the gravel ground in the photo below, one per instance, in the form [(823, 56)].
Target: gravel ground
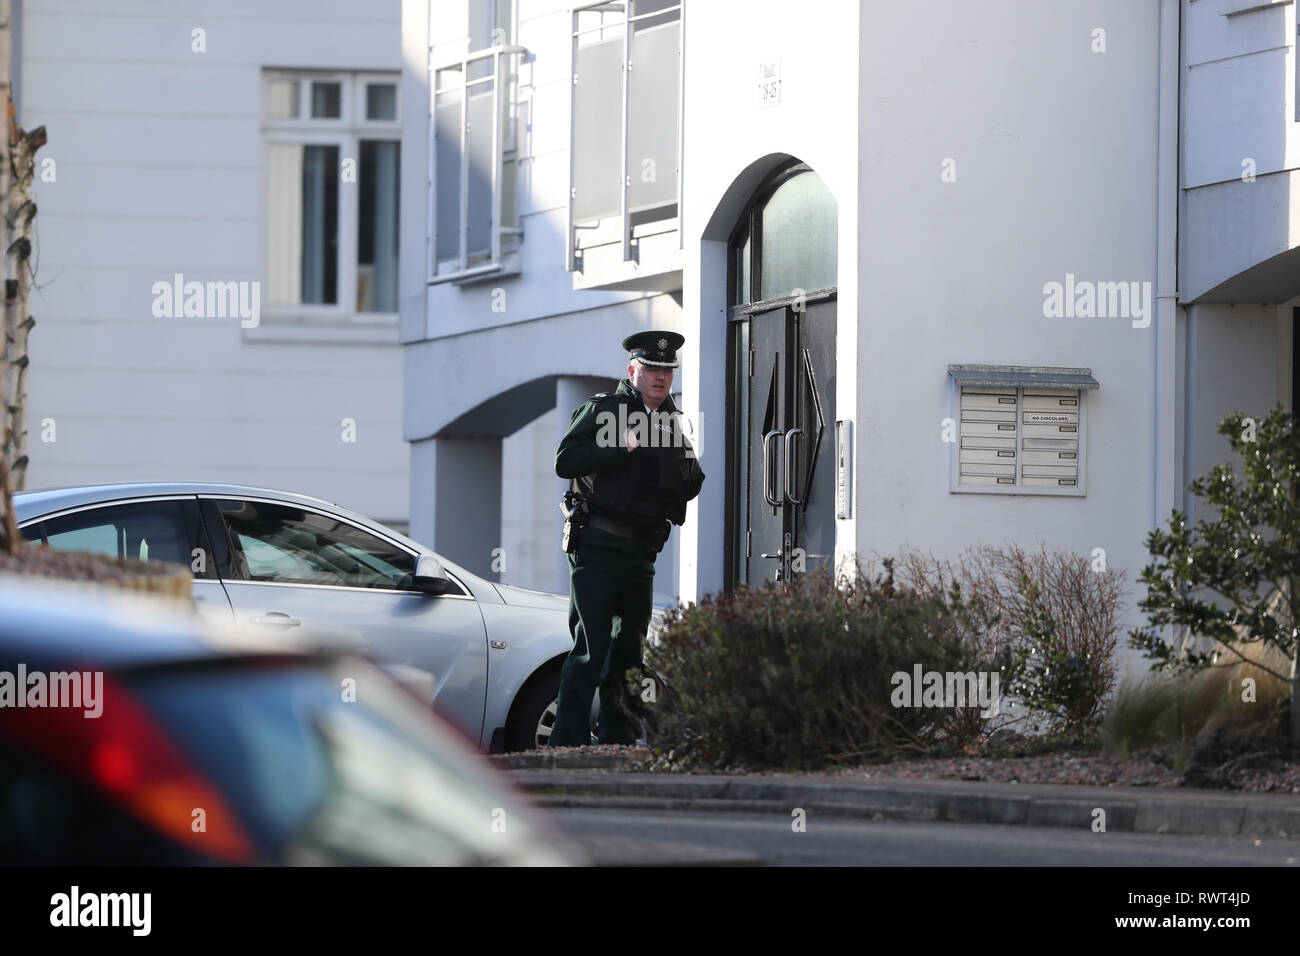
[(1141, 770), (1050, 768)]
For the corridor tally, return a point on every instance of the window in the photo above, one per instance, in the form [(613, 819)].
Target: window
[(1019, 429), (473, 231), (796, 220), (146, 530), (625, 143), (333, 165), (293, 546)]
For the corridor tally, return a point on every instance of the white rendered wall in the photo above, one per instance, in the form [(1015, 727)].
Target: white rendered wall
[(159, 169), (1241, 141), (530, 545), (1235, 363), (727, 137), (1055, 152), (1240, 90)]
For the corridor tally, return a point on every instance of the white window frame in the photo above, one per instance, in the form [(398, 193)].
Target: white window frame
[(625, 218), (304, 120), (1079, 490), (439, 264), (364, 123), (346, 132)]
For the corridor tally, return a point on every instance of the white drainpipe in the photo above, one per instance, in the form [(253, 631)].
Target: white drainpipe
[(1166, 493)]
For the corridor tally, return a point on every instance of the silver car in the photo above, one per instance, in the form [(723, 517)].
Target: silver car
[(489, 655)]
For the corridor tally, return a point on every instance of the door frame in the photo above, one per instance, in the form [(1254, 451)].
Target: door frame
[(748, 225)]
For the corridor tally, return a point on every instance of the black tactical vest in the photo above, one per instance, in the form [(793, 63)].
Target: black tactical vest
[(648, 485)]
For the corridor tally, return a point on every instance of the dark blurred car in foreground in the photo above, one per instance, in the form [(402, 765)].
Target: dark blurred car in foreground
[(210, 749)]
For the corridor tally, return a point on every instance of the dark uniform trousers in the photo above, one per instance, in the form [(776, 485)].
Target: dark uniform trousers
[(610, 600)]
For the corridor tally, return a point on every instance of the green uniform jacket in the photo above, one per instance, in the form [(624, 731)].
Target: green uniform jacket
[(605, 469)]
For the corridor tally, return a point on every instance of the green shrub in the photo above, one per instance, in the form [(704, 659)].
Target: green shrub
[(801, 675), (1225, 589)]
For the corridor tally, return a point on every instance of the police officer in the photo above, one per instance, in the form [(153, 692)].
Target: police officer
[(630, 459)]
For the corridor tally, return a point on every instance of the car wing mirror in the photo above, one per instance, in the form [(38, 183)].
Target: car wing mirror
[(430, 577)]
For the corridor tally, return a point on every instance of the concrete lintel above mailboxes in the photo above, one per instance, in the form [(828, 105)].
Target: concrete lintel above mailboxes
[(1023, 376)]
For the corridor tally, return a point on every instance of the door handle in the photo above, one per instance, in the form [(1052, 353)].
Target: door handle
[(790, 477), (769, 493), (276, 619), (776, 555)]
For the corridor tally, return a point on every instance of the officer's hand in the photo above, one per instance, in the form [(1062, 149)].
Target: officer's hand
[(629, 437)]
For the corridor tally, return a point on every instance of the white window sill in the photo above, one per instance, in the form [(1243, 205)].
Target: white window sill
[(365, 329), (505, 268), (1018, 490)]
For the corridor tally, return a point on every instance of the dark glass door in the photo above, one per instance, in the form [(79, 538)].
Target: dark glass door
[(783, 441), (768, 390)]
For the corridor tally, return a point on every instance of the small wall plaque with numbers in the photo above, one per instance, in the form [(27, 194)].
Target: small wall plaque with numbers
[(769, 84)]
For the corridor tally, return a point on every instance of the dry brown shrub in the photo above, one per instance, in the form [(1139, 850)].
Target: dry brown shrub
[(1082, 603)]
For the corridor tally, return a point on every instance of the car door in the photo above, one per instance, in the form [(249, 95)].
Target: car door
[(162, 528), (293, 570)]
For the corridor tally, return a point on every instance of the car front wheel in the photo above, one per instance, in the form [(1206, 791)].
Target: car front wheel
[(534, 715)]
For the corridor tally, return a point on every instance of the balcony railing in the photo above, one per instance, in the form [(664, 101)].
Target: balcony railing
[(471, 164), (625, 139)]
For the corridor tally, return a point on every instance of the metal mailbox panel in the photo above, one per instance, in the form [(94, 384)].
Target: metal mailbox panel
[(1050, 431), (989, 429), (1050, 471), (1050, 403), (1052, 444), (1049, 482), (1049, 457), (987, 401), (986, 480), (984, 468), (977, 441), (1026, 438), (987, 454), (1050, 418)]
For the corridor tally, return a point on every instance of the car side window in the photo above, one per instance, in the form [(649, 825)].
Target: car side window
[(159, 530), (288, 545)]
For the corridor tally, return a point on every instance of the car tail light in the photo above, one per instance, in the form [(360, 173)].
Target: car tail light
[(127, 756)]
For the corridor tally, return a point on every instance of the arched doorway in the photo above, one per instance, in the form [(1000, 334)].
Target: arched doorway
[(782, 264)]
